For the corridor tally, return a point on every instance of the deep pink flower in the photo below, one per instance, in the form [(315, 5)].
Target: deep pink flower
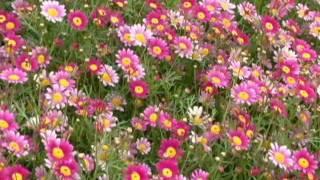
[(139, 89), (181, 130), (247, 92), (78, 20), (270, 24), (167, 169), (166, 121), (239, 140), (7, 121), (305, 161), (170, 149), (280, 107), (151, 115), (158, 48), (199, 174), (219, 76), (16, 172), (137, 171), (59, 149), (307, 92), (67, 169), (26, 63), (14, 75)]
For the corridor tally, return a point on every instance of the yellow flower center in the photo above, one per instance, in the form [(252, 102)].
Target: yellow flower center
[(201, 15), (93, 67), (41, 59), (14, 146), (12, 43), (153, 5), (244, 95), (157, 50), (58, 153), (166, 172), (126, 61), (64, 82), (57, 97), (2, 18), (187, 4), (17, 176), (106, 123), (269, 26), (127, 37), (226, 22), (65, 170), (77, 21), (160, 27), (138, 89), (170, 152), (215, 129), (306, 55), (240, 40), (249, 133), (141, 38), (303, 162), (304, 93), (135, 176), (280, 157), (114, 20), (69, 68), (3, 124), (14, 77), (181, 132), (236, 140), (154, 117), (106, 77), (286, 69), (182, 46), (10, 25), (26, 65), (167, 123), (53, 12), (154, 21), (215, 80)]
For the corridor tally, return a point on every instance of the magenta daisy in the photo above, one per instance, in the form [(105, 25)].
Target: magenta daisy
[(7, 121), (158, 48), (41, 55), (94, 65), (199, 174), (183, 46), (14, 75), (137, 171), (67, 170), (63, 79), (139, 124), (78, 20), (13, 42), (15, 143), (53, 11), (181, 130), (108, 75), (247, 92), (289, 67), (308, 55), (57, 96), (170, 149), (58, 149), (270, 25), (305, 161), (239, 140), (151, 115), (219, 76), (166, 121), (201, 13), (279, 106), (167, 169), (280, 156), (139, 89), (126, 59), (26, 63), (140, 35), (307, 92), (16, 172)]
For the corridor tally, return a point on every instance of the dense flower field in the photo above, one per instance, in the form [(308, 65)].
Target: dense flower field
[(172, 90)]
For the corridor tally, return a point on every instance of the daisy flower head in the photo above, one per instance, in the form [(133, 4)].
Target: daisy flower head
[(41, 56), (116, 18), (239, 140), (219, 76), (270, 25), (305, 161), (7, 121), (201, 13), (308, 55), (124, 35), (105, 122), (279, 106), (226, 5), (183, 46), (11, 25), (139, 124), (166, 121), (139, 89), (13, 42), (151, 115), (158, 48), (280, 156), (140, 34), (14, 75), (126, 59), (181, 130), (143, 146), (16, 172), (67, 170), (26, 63), (247, 92), (188, 5), (315, 29), (57, 96), (167, 169), (58, 149), (137, 171), (15, 143), (307, 92), (199, 174), (94, 65), (108, 76), (53, 11), (63, 79), (170, 149), (78, 20)]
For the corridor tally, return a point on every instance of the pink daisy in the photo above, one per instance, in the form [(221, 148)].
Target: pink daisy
[(58, 149), (14, 75), (166, 121), (247, 92), (199, 174), (183, 46), (88, 162), (67, 170), (201, 13), (7, 121), (105, 122), (167, 169), (158, 48), (15, 143), (57, 96), (108, 75), (239, 140), (53, 120), (270, 24), (181, 130), (41, 55), (78, 20), (139, 89), (116, 18), (137, 171), (305, 161), (139, 124), (308, 55), (12, 24), (170, 149), (94, 65), (125, 35), (151, 115), (307, 92), (299, 45), (219, 76), (53, 11), (16, 172), (289, 67), (26, 63), (63, 79), (13, 42), (126, 59), (140, 35), (280, 156)]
